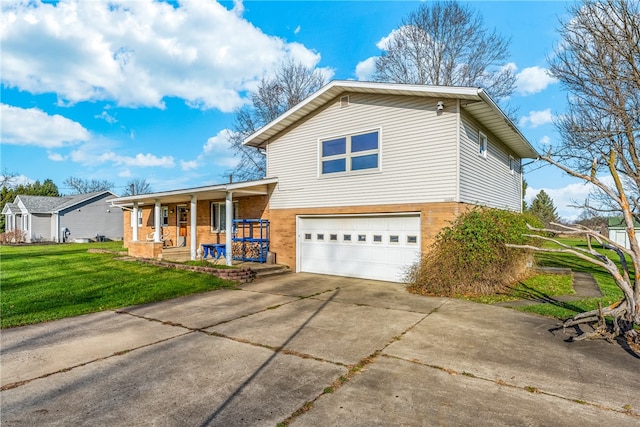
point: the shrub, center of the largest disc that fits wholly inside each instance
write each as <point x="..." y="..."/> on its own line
<point x="15" y="236"/>
<point x="470" y="257"/>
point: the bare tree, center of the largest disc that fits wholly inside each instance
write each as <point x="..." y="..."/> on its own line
<point x="82" y="186"/>
<point x="7" y="179"/>
<point x="446" y="43"/>
<point x="137" y="186"/>
<point x="291" y="84"/>
<point x="598" y="63"/>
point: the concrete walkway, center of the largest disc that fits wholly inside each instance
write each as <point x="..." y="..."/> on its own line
<point x="313" y="350"/>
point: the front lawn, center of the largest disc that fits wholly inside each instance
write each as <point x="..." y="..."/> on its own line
<point x="47" y="282"/>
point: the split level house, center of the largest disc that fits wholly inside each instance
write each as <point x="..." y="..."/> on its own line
<point x="86" y="216"/>
<point x="360" y="179"/>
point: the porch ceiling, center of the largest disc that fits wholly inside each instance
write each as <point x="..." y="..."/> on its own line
<point x="213" y="192"/>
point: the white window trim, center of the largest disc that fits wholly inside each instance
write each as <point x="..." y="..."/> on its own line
<point x="215" y="216"/>
<point x="512" y="165"/>
<point x="139" y="218"/>
<point x="483" y="145"/>
<point x="164" y="220"/>
<point x="348" y="154"/>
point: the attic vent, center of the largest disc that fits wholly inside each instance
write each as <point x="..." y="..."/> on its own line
<point x="344" y="101"/>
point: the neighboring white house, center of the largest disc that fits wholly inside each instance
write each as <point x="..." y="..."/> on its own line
<point x="362" y="176"/>
<point x="59" y="219"/>
<point x="618" y="232"/>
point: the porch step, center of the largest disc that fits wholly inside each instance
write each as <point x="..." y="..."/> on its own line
<point x="271" y="270"/>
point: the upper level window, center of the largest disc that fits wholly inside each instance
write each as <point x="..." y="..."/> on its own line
<point x="482" y="145"/>
<point x="350" y="153"/>
<point x="512" y="165"/>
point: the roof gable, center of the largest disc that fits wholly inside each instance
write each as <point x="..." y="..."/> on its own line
<point x="474" y="101"/>
<point x="81" y="198"/>
<point x="39" y="204"/>
<point x="49" y="204"/>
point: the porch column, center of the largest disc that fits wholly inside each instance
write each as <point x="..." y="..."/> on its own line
<point x="134" y="221"/>
<point x="194" y="224"/>
<point x="229" y="226"/>
<point x="156" y="222"/>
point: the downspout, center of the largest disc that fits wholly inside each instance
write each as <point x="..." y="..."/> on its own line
<point x="134" y="222"/>
<point x="457" y="196"/>
<point x="58" y="227"/>
<point x="156" y="221"/>
<point x="229" y="226"/>
<point x="194" y="224"/>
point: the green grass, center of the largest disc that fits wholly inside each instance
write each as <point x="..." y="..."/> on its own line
<point x="552" y="285"/>
<point x="46" y="282"/>
<point x="604" y="280"/>
<point x="541" y="284"/>
<point x="565" y="310"/>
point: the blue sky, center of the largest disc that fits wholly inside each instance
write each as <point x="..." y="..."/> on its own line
<point x="144" y="89"/>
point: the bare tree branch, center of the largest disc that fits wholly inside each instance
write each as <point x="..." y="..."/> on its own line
<point x="291" y="84"/>
<point x="446" y="43"/>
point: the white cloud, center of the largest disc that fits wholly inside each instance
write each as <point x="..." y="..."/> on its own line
<point x="217" y="150"/>
<point x="383" y="43"/>
<point x="106" y="117"/>
<point x="297" y="30"/>
<point x="545" y="140"/>
<point x="365" y="69"/>
<point x="533" y="80"/>
<point x="137" y="53"/>
<point x="566" y="198"/>
<point x="536" y="118"/>
<point x="56" y="157"/>
<point x="188" y="165"/>
<point x="32" y="126"/>
<point x="94" y="154"/>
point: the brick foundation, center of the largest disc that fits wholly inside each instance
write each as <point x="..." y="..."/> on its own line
<point x="140" y="249"/>
<point x="242" y="275"/>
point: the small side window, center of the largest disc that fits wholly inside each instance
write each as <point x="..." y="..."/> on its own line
<point x="377" y="238"/>
<point x="362" y="237"/>
<point x="320" y="236"/>
<point x="482" y="145"/>
<point x="394" y="239"/>
<point x="307" y="236"/>
<point x="333" y="237"/>
<point x="346" y="237"/>
<point x="412" y="239"/>
<point x="512" y="165"/>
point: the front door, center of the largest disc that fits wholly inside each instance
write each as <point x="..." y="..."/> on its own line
<point x="183" y="220"/>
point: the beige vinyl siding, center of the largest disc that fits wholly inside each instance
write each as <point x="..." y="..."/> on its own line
<point x="487" y="181"/>
<point x="417" y="154"/>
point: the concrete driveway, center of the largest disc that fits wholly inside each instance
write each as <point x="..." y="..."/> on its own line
<point x="314" y="351"/>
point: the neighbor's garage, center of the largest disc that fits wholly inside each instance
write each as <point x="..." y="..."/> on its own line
<point x="365" y="246"/>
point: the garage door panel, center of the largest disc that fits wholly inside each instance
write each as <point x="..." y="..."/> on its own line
<point x="384" y="259"/>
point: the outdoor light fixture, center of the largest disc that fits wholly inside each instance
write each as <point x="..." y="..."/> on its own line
<point x="440" y="105"/>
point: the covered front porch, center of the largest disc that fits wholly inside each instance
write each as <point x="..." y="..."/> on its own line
<point x="188" y="218"/>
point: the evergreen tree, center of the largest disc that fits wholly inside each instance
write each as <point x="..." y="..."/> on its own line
<point x="542" y="207"/>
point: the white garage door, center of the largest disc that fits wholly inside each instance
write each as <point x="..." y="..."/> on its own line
<point x="370" y="247"/>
